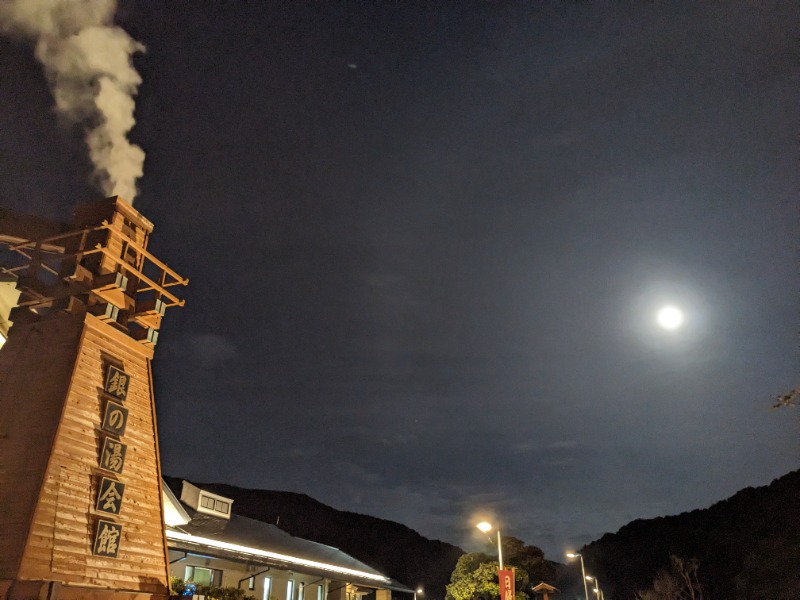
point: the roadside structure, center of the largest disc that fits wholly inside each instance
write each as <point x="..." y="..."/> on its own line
<point x="80" y="480"/>
<point x="209" y="545"/>
<point x="545" y="591"/>
<point x="85" y="514"/>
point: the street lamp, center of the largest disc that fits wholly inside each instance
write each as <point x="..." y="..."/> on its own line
<point x="583" y="572"/>
<point x="486" y="528"/>
<point x="418" y="592"/>
<point x="596" y="590"/>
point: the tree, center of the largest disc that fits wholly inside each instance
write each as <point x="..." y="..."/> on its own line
<point x="475" y="574"/>
<point x="679" y="583"/>
<point x="770" y="571"/>
<point x="529" y="558"/>
<point x="474" y="578"/>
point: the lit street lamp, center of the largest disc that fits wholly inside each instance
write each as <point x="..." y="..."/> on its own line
<point x="583" y="572"/>
<point x="486" y="528"/>
<point x="597" y="589"/>
<point x="418" y="592"/>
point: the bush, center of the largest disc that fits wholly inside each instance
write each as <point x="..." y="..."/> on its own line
<point x="179" y="587"/>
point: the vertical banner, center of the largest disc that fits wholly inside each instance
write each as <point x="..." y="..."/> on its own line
<point x="506" y="580"/>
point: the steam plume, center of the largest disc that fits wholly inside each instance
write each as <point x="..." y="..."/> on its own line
<point x="88" y="64"/>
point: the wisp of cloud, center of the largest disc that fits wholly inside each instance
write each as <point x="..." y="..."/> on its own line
<point x="89" y="67"/>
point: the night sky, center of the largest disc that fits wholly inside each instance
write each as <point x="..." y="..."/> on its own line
<point x="427" y="244"/>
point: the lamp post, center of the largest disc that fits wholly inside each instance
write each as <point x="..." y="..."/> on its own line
<point x="597" y="590"/>
<point x="486" y="528"/>
<point x="583" y="572"/>
<point x="417" y="592"/>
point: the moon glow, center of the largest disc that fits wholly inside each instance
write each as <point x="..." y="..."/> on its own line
<point x="669" y="317"/>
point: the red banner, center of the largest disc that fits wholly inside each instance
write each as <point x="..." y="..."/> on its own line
<point x="506" y="579"/>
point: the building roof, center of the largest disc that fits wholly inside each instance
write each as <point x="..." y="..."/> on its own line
<point x="174" y="513"/>
<point x="261" y="543"/>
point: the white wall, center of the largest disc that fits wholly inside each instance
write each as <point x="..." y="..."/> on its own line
<point x="8" y="300"/>
<point x="234" y="571"/>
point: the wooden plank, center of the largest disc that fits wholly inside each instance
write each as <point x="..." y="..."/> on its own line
<point x="76" y="455"/>
<point x="30" y="409"/>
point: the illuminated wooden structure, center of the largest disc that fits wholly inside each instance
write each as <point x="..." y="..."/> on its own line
<point x="80" y="478"/>
<point x="544" y="591"/>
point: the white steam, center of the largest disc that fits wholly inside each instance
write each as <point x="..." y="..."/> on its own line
<point x="88" y="63"/>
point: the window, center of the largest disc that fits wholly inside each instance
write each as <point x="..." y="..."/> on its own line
<point x="267" y="587"/>
<point x="210" y="503"/>
<point x="251" y="583"/>
<point x="320" y="592"/>
<point x="290" y="590"/>
<point x="203" y="576"/>
<point x="301" y="590"/>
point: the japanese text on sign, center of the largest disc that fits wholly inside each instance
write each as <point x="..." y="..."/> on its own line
<point x="115" y="419"/>
<point x="506" y="577"/>
<point x="106" y="539"/>
<point x="110" y="492"/>
<point x="117" y="383"/>
<point x="109" y="497"/>
<point x="112" y="457"/>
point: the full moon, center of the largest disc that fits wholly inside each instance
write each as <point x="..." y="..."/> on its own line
<point x="669" y="317"/>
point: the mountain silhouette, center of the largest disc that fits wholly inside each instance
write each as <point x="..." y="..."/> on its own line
<point x="747" y="547"/>
<point x="391" y="548"/>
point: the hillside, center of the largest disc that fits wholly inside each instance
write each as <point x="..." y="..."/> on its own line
<point x="748" y="546"/>
<point x="392" y="548"/>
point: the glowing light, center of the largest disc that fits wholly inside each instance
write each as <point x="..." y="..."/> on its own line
<point x="670" y="317"/>
<point x="484" y="526"/>
<point x="186" y="537"/>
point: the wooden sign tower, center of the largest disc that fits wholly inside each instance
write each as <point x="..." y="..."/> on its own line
<point x="80" y="479"/>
